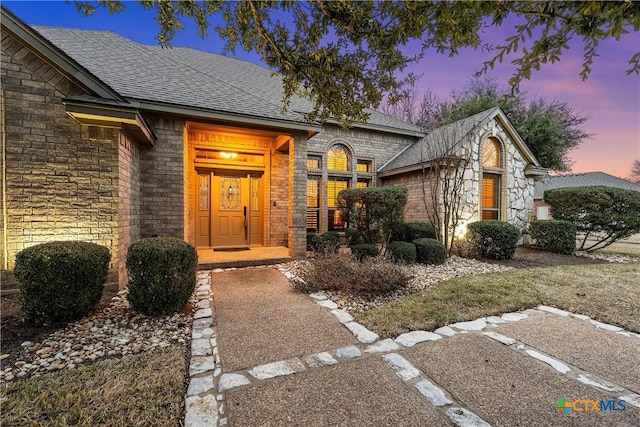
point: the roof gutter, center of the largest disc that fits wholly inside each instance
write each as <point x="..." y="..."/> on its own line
<point x="123" y="117"/>
<point x="230" y="118"/>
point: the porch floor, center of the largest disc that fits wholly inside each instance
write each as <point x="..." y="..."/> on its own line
<point x="256" y="255"/>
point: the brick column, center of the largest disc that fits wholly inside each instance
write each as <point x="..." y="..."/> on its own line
<point x="297" y="203"/>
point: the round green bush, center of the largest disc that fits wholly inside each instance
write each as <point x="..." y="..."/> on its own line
<point x="410" y="231"/>
<point x="493" y="239"/>
<point x="365" y="251"/>
<point x="60" y="281"/>
<point x="326" y="243"/>
<point x="162" y="274"/>
<point x="402" y="252"/>
<point x="554" y="235"/>
<point x="419" y="230"/>
<point x="430" y="251"/>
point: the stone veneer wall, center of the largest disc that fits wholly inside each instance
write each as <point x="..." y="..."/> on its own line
<point x="62" y="177"/>
<point x="129" y="201"/>
<point x="163" y="181"/>
<point x="517" y="191"/>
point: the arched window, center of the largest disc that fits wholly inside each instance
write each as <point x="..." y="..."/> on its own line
<point x="491" y="199"/>
<point x="491" y="153"/>
<point x="338" y="158"/>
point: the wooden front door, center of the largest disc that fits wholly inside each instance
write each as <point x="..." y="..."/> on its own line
<point x="233" y="217"/>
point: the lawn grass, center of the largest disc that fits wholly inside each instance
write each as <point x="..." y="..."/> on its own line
<point x="607" y="292"/>
<point x="629" y="251"/>
<point x="136" y="390"/>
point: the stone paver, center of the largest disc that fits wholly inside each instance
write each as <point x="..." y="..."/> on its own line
<point x="277" y="369"/>
<point x="412" y="338"/>
<point x="230" y="381"/>
<point x="361" y="333"/>
<point x="382" y="346"/>
<point x="363" y="393"/>
<point x="605" y="353"/>
<point x="403" y="368"/>
<point x="261" y="319"/>
<point x="349" y="352"/>
<point x="506" y="388"/>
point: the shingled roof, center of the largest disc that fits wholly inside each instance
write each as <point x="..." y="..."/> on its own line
<point x="585" y="179"/>
<point x="431" y="146"/>
<point x="191" y="78"/>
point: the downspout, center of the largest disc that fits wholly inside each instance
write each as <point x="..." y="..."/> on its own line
<point x="4" y="183"/>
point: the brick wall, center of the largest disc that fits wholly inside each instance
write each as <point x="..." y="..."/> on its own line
<point x="377" y="146"/>
<point x="278" y="189"/>
<point x="415" y="210"/>
<point x="163" y="181"/>
<point x="62" y="178"/>
<point x="129" y="200"/>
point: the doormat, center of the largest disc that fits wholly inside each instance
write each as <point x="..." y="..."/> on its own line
<point x="232" y="249"/>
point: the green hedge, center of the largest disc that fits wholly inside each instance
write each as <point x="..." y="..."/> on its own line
<point x="493" y="239"/>
<point x="365" y="251"/>
<point x="430" y="251"/>
<point x="325" y="243"/>
<point x="373" y="210"/>
<point x="601" y="214"/>
<point x="554" y="235"/>
<point x="61" y="281"/>
<point x="402" y="252"/>
<point x="162" y="274"/>
<point x="410" y="231"/>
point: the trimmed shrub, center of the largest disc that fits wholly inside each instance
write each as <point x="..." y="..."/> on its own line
<point x="373" y="210"/>
<point x="162" y="274"/>
<point x="430" y="251"/>
<point x="418" y="230"/>
<point x="402" y="252"/>
<point x="603" y="214"/>
<point x="355" y="236"/>
<point x="370" y="277"/>
<point x="365" y="251"/>
<point x="554" y="236"/>
<point x="493" y="239"/>
<point x="60" y="281"/>
<point x="410" y="231"/>
<point x="325" y="243"/>
<point x="310" y="237"/>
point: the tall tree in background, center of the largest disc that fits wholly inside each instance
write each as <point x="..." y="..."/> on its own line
<point x="347" y="55"/>
<point x="634" y="176"/>
<point x="550" y="129"/>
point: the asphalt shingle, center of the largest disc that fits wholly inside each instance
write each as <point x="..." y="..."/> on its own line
<point x="187" y="77"/>
<point x="439" y="141"/>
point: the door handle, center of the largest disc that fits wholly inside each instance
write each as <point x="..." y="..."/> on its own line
<point x="245" y="216"/>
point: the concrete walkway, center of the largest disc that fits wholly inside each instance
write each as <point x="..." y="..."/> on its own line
<point x="277" y="357"/>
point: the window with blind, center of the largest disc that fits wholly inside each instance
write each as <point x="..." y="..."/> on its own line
<point x="490" y="196"/>
<point x="491" y="178"/>
<point x="313" y="203"/>
<point x="335" y="186"/>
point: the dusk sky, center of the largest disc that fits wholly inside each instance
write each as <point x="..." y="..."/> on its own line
<point x="609" y="97"/>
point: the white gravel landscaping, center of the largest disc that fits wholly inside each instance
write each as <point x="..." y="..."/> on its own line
<point x="114" y="332"/>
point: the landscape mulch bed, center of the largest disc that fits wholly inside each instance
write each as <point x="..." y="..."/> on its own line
<point x="14" y="330"/>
